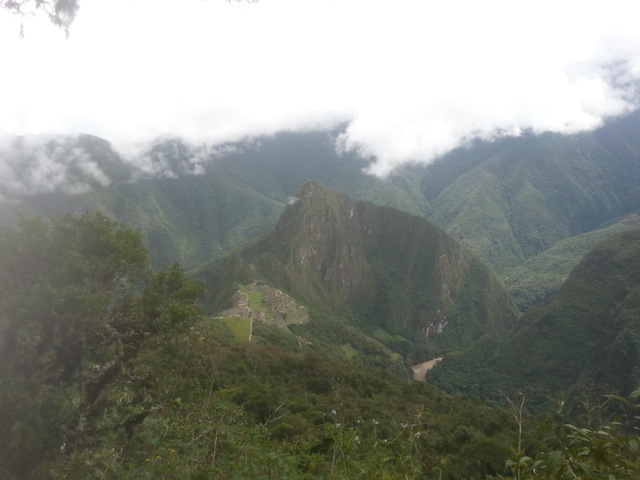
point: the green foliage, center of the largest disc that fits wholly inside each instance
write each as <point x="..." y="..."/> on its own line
<point x="586" y="334"/>
<point x="192" y="405"/>
<point x="608" y="450"/>
<point x="65" y="289"/>
<point x="169" y="299"/>
<point x="258" y="412"/>
<point x="72" y="321"/>
<point x="157" y="389"/>
<point x="540" y="276"/>
<point x="110" y="371"/>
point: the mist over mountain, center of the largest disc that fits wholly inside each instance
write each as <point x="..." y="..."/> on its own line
<point x="506" y="200"/>
<point x="194" y="203"/>
<point x="341" y="240"/>
<point x="35" y="165"/>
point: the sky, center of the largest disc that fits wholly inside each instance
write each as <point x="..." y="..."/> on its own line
<point x="410" y="79"/>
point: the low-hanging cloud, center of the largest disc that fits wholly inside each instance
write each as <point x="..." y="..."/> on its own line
<point x="171" y="158"/>
<point x="73" y="164"/>
<point x="411" y="79"/>
<point x="44" y="164"/>
<point x="488" y="109"/>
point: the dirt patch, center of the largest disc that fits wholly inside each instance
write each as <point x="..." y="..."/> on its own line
<point x="420" y="370"/>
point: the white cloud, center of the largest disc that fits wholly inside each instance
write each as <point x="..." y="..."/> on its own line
<point x="170" y="158"/>
<point x="42" y="164"/>
<point x="414" y="79"/>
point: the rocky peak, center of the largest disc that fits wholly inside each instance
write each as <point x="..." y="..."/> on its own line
<point x="391" y="269"/>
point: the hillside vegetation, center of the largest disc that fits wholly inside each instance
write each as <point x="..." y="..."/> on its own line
<point x="588" y="333"/>
<point x="539" y="277"/>
<point x="111" y="371"/>
<point x="290" y="360"/>
<point x="523" y="195"/>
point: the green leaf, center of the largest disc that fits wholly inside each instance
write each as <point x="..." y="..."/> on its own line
<point x="553" y="459"/>
<point x="524" y="461"/>
<point x="586" y="469"/>
<point x="620" y="399"/>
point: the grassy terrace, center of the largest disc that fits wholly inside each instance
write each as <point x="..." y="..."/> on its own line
<point x="240" y="326"/>
<point x="256" y="300"/>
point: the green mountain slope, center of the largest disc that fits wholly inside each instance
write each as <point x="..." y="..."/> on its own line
<point x="394" y="275"/>
<point x="199" y="217"/>
<point x="518" y="197"/>
<point x="539" y="277"/>
<point x="276" y="167"/>
<point x="588" y="332"/>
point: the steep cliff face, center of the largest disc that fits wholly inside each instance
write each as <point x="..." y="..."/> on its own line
<point x="378" y="267"/>
<point x="320" y="243"/>
<point x="343" y="246"/>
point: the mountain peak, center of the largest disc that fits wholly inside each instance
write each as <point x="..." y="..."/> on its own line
<point x="311" y="186"/>
<point x="380" y="267"/>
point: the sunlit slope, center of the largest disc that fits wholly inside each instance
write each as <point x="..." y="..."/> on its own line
<point x="511" y="200"/>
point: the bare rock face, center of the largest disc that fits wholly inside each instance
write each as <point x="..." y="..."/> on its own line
<point x="339" y="244"/>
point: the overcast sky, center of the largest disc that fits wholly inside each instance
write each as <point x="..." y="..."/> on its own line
<point x="413" y="79"/>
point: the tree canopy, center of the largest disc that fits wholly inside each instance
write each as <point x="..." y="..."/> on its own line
<point x="61" y="13"/>
<point x="76" y="303"/>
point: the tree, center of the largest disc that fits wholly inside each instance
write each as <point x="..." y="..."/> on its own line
<point x="76" y="303"/>
<point x="602" y="449"/>
<point x="61" y="13"/>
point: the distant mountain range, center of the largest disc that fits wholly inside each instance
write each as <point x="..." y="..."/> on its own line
<point x="507" y="200"/>
<point x="392" y="271"/>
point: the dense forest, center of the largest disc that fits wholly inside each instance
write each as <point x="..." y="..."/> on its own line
<point x="110" y="370"/>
